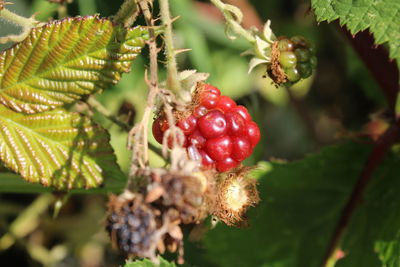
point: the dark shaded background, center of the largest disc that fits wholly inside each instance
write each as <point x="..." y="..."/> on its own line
<point x="334" y="103"/>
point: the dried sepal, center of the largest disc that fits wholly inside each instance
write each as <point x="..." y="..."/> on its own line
<point x="236" y="192"/>
<point x="275" y="70"/>
<point x="261" y="50"/>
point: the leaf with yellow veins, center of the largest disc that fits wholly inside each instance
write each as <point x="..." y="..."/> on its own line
<point x="56" y="148"/>
<point x="64" y="60"/>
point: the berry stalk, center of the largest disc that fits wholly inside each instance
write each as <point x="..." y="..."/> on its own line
<point x="233" y="17"/>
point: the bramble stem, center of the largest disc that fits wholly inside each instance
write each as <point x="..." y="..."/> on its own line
<point x="26" y="23"/>
<point x="382" y="145"/>
<point x="173" y="83"/>
<point x="127" y="13"/>
<point x="152" y="84"/>
<point x="16" y="19"/>
<point x="227" y="11"/>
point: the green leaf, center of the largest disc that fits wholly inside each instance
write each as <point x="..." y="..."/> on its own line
<point x="56" y="148"/>
<point x="374" y="232"/>
<point x="149" y="263"/>
<point x="301" y="202"/>
<point x="380" y="17"/>
<point x="65" y="60"/>
<point x="389" y="252"/>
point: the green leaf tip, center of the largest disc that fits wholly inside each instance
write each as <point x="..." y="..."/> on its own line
<point x="148" y="263"/>
<point x="56" y="148"/>
<point x="65" y="60"/>
<point x="380" y="17"/>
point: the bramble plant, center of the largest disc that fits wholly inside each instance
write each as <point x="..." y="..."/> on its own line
<point x="181" y="148"/>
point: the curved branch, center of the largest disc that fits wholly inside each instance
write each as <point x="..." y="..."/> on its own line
<point x="383" y="144"/>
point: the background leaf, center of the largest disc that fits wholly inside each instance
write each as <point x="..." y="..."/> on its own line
<point x="380" y="17"/>
<point x="301" y="203"/>
<point x="149" y="263"/>
<point x="56" y="148"/>
<point x="373" y="237"/>
<point x="65" y="60"/>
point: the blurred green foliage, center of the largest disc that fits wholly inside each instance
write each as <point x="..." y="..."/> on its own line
<point x="300" y="200"/>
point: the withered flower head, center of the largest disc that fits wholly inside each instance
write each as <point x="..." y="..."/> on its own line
<point x="236" y="192"/>
<point x="147" y="222"/>
<point x="188" y="194"/>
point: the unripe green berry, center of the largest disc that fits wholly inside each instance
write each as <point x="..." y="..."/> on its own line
<point x="304" y="69"/>
<point x="287" y="59"/>
<point x="302" y="54"/>
<point x="292" y="74"/>
<point x="285" y="45"/>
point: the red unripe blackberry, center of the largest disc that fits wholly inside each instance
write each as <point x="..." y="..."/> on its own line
<point x="206" y="160"/>
<point x="157" y="132"/>
<point x="253" y="133"/>
<point x="236" y="124"/>
<point x="225" y="103"/>
<point x="196" y="139"/>
<point x="241" y="148"/>
<point x="188" y="125"/>
<point x="226" y="164"/>
<point x="200" y="111"/>
<point x="242" y="110"/>
<point x="213" y="124"/>
<point x="212" y="89"/>
<point x="219" y="148"/>
<point x="217" y="131"/>
<point x="209" y="100"/>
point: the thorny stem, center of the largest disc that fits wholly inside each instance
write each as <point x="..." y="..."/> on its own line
<point x="232" y="22"/>
<point x="26" y="23"/>
<point x="140" y="131"/>
<point x="127" y="13"/>
<point x="153" y="83"/>
<point x="173" y="83"/>
<point x="383" y="145"/>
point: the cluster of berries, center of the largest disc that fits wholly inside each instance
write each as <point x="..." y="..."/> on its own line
<point x="217" y="131"/>
<point x="296" y="58"/>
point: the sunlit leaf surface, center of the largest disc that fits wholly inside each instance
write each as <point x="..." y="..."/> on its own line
<point x="65" y="60"/>
<point x="56" y="148"/>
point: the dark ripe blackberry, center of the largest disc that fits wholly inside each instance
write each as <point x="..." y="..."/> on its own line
<point x="132" y="226"/>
